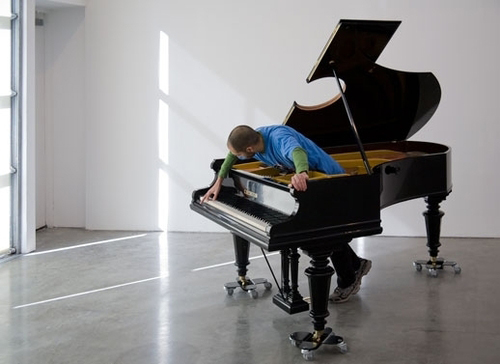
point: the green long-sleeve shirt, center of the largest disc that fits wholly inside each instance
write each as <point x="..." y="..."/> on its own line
<point x="299" y="157"/>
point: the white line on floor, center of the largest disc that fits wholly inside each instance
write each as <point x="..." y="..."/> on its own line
<point x="85" y="245"/>
<point x="88" y="292"/>
<point x="229" y="263"/>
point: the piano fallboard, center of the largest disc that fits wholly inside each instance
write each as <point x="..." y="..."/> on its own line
<point x="331" y="208"/>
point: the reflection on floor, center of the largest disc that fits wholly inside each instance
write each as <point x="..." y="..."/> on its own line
<point x="135" y="297"/>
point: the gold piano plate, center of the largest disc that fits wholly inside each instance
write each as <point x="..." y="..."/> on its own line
<point x="313" y="175"/>
<point x="384" y="154"/>
<point x="352" y="163"/>
<point x="258" y="168"/>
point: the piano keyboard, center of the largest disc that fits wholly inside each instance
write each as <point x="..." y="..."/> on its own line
<point x="247" y="211"/>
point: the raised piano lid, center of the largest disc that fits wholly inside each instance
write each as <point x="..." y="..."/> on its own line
<point x="387" y="105"/>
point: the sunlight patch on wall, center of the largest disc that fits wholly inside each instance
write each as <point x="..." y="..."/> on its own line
<point x="163" y="71"/>
<point x="163" y="131"/>
<point x="163" y="180"/>
<point x="163" y="195"/>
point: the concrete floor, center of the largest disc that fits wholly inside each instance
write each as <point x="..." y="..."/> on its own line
<point x="138" y="298"/>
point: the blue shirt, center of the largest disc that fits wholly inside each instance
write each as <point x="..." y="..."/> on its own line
<point x="281" y="140"/>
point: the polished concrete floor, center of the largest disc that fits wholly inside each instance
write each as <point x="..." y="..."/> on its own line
<point x="138" y="298"/>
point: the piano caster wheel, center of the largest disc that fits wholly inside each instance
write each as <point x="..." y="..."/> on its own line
<point x="433" y="266"/>
<point x="342" y="347"/>
<point x="433" y="272"/>
<point x="308" y="344"/>
<point x="307" y="354"/>
<point x="247" y="285"/>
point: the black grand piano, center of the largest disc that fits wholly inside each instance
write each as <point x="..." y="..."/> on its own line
<point x="365" y="128"/>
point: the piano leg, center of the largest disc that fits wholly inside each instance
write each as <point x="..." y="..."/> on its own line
<point x="285" y="271"/>
<point x="289" y="299"/>
<point x="295" y="295"/>
<point x="433" y="218"/>
<point x="241" y="253"/>
<point x="319" y="274"/>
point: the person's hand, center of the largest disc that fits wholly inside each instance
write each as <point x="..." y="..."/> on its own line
<point x="299" y="181"/>
<point x="213" y="192"/>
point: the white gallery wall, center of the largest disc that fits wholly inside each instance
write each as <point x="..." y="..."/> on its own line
<point x="156" y="85"/>
<point x="61" y="117"/>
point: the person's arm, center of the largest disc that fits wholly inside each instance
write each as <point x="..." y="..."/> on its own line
<point x="229" y="162"/>
<point x="213" y="192"/>
<point x="299" y="157"/>
<point x="299" y="179"/>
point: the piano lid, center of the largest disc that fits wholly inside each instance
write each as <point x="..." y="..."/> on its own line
<point x="386" y="105"/>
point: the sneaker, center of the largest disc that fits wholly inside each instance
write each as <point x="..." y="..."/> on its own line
<point x="340" y="295"/>
<point x="364" y="267"/>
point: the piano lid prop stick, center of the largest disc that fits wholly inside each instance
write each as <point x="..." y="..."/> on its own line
<point x="351" y="120"/>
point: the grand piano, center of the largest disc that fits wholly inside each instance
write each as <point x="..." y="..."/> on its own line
<point x="366" y="128"/>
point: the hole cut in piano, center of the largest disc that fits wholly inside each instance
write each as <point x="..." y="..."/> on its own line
<point x="352" y="162"/>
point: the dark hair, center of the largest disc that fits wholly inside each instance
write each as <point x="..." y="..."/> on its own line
<point x="242" y="137"/>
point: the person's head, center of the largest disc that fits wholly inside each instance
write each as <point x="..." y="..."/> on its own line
<point x="244" y="142"/>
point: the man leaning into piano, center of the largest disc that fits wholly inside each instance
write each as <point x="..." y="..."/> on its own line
<point x="283" y="146"/>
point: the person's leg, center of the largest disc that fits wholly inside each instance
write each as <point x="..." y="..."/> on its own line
<point x="346" y="263"/>
<point x="350" y="270"/>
